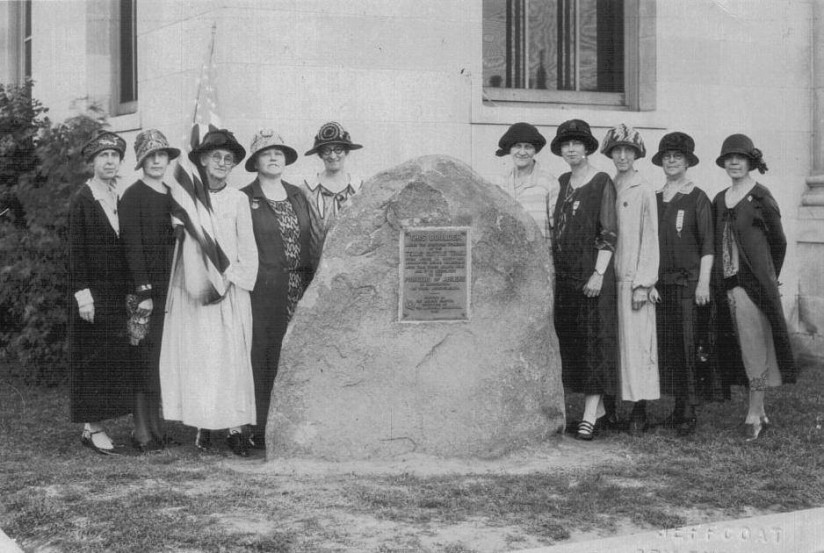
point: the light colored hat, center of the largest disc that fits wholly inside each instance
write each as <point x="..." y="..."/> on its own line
<point x="623" y="135"/>
<point x="149" y="142"/>
<point x="265" y="139"/>
<point x="103" y="140"/>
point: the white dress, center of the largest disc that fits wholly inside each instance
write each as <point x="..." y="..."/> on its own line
<point x="636" y="265"/>
<point x="205" y="360"/>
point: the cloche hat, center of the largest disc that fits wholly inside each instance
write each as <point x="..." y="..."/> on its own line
<point x="103" y="140"/>
<point x="265" y="139"/>
<point x="574" y="129"/>
<point x="742" y="144"/>
<point x="218" y="139"/>
<point x="520" y="132"/>
<point x="332" y="133"/>
<point x="623" y="135"/>
<point x="149" y="142"/>
<point x="679" y="142"/>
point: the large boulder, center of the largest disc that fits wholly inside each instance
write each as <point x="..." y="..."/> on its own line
<point x="355" y="383"/>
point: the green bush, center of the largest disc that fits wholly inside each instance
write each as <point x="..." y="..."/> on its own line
<point x="33" y="252"/>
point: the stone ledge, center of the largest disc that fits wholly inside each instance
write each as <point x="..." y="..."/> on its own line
<point x="796" y="532"/>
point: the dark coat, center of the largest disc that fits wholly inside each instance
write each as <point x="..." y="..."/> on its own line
<point x="267" y="232"/>
<point x="149" y="242"/>
<point x="271" y="296"/>
<point x="100" y="362"/>
<point x="757" y="230"/>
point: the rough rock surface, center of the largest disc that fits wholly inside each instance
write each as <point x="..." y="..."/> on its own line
<point x="354" y="383"/>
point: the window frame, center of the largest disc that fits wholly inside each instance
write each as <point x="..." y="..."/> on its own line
<point x="24" y="60"/>
<point x="639" y="73"/>
<point x="120" y="107"/>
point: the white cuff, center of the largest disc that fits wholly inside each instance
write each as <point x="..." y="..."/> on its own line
<point x="84" y="297"/>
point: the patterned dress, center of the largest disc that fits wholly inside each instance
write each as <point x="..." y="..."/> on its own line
<point x="290" y="234"/>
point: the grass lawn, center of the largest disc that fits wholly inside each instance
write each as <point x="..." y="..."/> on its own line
<point x="56" y="495"/>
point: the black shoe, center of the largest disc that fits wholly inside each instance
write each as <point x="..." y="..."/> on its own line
<point x="257" y="440"/>
<point x="203" y="440"/>
<point x="586" y="431"/>
<point x="238" y="444"/>
<point x="638" y="419"/>
<point x="687" y="426"/>
<point x="149" y="447"/>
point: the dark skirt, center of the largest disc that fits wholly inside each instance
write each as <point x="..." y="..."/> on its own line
<point x="587" y="336"/>
<point x="270" y="318"/>
<point x="147" y="352"/>
<point x="687" y="361"/>
<point x="101" y="361"/>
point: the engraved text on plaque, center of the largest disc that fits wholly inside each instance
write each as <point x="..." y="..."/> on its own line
<point x="435" y="274"/>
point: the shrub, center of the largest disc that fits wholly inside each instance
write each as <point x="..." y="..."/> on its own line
<point x="33" y="270"/>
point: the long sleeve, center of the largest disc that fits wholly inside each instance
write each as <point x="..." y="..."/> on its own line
<point x="79" y="254"/>
<point x="132" y="233"/>
<point x="706" y="225"/>
<point x="607" y="219"/>
<point x="646" y="271"/>
<point x="774" y="231"/>
<point x="243" y="270"/>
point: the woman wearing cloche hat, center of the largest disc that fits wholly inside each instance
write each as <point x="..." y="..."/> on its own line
<point x="749" y="252"/>
<point x="636" y="271"/>
<point x="330" y="190"/>
<point x="535" y="188"/>
<point x="100" y="363"/>
<point x="287" y="236"/>
<point x="149" y="240"/>
<point x="583" y="241"/>
<point x="682" y="295"/>
<point x="205" y="359"/>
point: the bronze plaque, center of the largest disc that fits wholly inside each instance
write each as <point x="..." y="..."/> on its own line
<point x="435" y="274"/>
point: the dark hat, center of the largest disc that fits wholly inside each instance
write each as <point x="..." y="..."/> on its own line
<point x="622" y="135"/>
<point x="103" y="140"/>
<point x="220" y="139"/>
<point x="742" y="144"/>
<point x="574" y="129"/>
<point x="520" y="132"/>
<point x="332" y="133"/>
<point x="679" y="142"/>
<point x="149" y="142"/>
<point x="265" y="139"/>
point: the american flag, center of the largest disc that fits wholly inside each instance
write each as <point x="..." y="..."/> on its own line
<point x="199" y="254"/>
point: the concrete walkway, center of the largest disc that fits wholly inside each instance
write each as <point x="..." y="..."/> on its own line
<point x="795" y="532"/>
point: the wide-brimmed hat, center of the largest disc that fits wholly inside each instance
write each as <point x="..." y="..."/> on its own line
<point x="574" y="129"/>
<point x="219" y="139"/>
<point x="332" y="133"/>
<point x="149" y="142"/>
<point x="742" y="144"/>
<point x="520" y="132"/>
<point x="679" y="142"/>
<point x="103" y="140"/>
<point x="265" y="139"/>
<point x="623" y="135"/>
